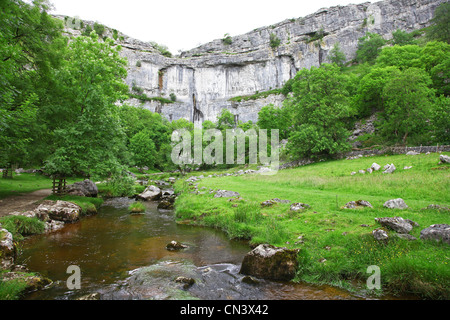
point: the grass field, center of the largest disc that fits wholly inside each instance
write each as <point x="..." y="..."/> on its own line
<point x="335" y="248"/>
<point x="27" y="182"/>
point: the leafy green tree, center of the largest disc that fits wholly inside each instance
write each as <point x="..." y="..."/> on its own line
<point x="369" y="47"/>
<point x="318" y="108"/>
<point x="440" y="120"/>
<point x="369" y="97"/>
<point x="408" y="104"/>
<point x="337" y="56"/>
<point x="436" y="61"/>
<point x="440" y="24"/>
<point x="30" y="45"/>
<point x="270" y="117"/>
<point x="84" y="119"/>
<point x="225" y="120"/>
<point x="143" y="149"/>
<point x="403" y="57"/>
<point x="401" y="38"/>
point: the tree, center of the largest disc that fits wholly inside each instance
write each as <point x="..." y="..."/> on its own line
<point x="369" y="98"/>
<point x="440" y="120"/>
<point x="31" y="43"/>
<point x="84" y="119"/>
<point x="440" y="24"/>
<point x="270" y="117"/>
<point x="318" y="107"/>
<point x="401" y="38"/>
<point x="337" y="56"/>
<point x="403" y="57"/>
<point x="369" y="47"/>
<point x="225" y="120"/>
<point x="143" y="149"/>
<point x="408" y="102"/>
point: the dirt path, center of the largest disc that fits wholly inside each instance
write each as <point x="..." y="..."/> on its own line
<point x="23" y="202"/>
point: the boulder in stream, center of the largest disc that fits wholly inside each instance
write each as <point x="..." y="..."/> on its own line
<point x="151" y="193"/>
<point x="64" y="211"/>
<point x="270" y="262"/>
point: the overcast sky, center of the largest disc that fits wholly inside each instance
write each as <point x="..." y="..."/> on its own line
<point x="184" y="25"/>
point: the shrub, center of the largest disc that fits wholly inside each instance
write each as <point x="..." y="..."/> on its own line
<point x="120" y="185"/>
<point x="138" y="63"/>
<point x="227" y="39"/>
<point x="274" y="40"/>
<point x="173" y="97"/>
<point x="99" y="29"/>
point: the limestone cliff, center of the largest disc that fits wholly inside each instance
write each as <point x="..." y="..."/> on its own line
<point x="205" y="78"/>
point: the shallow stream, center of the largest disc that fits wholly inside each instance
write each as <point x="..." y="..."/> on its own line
<point x="124" y="256"/>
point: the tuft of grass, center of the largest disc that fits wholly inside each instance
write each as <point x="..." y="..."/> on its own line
<point x="12" y="289"/>
<point x="136" y="207"/>
<point x="21" y="226"/>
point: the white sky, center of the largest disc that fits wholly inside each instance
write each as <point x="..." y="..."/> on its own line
<point x="185" y="24"/>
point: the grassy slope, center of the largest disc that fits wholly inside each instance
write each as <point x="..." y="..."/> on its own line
<point x="331" y="233"/>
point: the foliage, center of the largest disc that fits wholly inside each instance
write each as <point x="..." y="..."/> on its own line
<point x="274" y="41"/>
<point x="143" y="149"/>
<point x="369" y="47"/>
<point x="401" y="38"/>
<point x="336" y="55"/>
<point x="120" y="184"/>
<point x="440" y="24"/>
<point x="99" y="29"/>
<point x="408" y="101"/>
<point x="227" y="39"/>
<point x="84" y="120"/>
<point x="318" y="107"/>
<point x="270" y="117"/>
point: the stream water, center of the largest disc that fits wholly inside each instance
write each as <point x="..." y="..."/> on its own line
<point x="124" y="256"/>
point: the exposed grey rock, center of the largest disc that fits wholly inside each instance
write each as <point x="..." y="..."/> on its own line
<point x="53" y="225"/>
<point x="299" y="206"/>
<point x="187" y="282"/>
<point x="436" y="207"/>
<point x="438" y="232"/>
<point x="226" y="194"/>
<point x="389" y="168"/>
<point x="269" y="262"/>
<point x="407" y="167"/>
<point x="150" y="193"/>
<point x="357" y="204"/>
<point x="60" y="211"/>
<point x="398" y="203"/>
<point x="397" y="224"/>
<point x="175" y="246"/>
<point x="380" y="235"/>
<point x="412" y="153"/>
<point x="405" y="236"/>
<point x="7" y="249"/>
<point x="90" y="296"/>
<point x="85" y="188"/>
<point x="444" y="159"/>
<point x="375" y="166"/>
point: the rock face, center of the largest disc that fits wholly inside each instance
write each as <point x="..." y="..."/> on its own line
<point x="151" y="193"/>
<point x="269" y="262"/>
<point x="436" y="232"/>
<point x="85" y="188"/>
<point x="64" y="211"/>
<point x="205" y="78"/>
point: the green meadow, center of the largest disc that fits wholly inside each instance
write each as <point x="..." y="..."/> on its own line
<point x="336" y="244"/>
